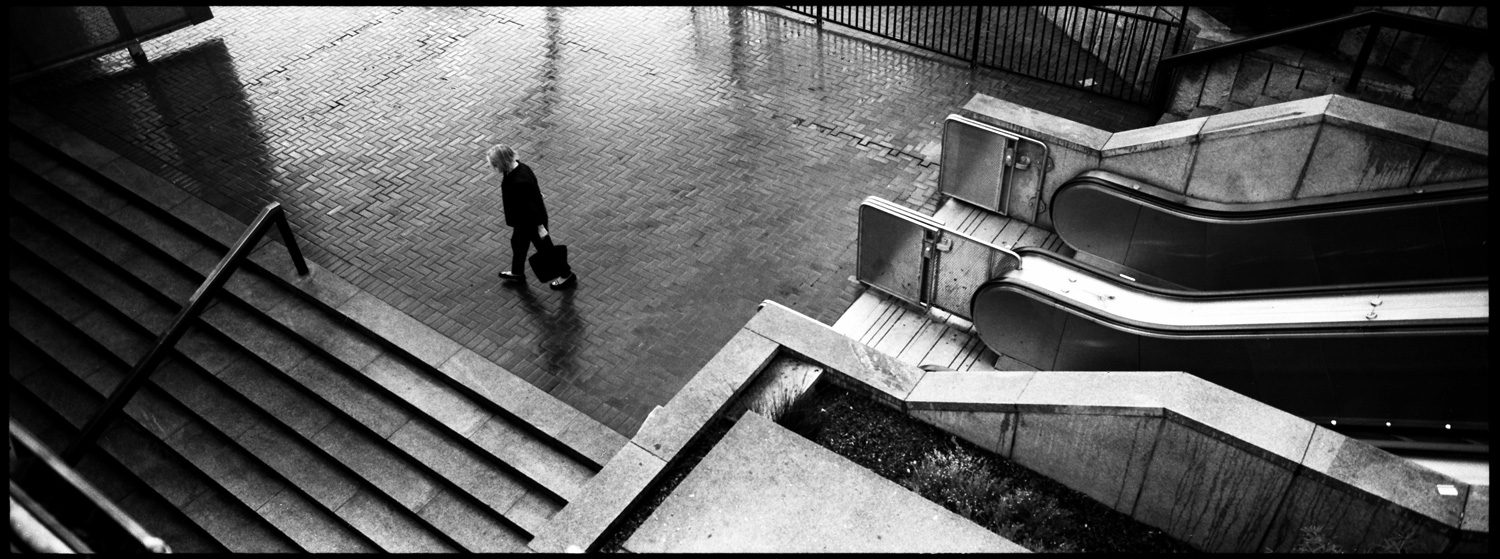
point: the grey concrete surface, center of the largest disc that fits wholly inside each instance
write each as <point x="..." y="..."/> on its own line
<point x="764" y="489"/>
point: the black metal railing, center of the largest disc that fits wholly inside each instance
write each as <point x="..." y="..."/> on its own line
<point x="1109" y="51"/>
<point x="1373" y="20"/>
<point x="72" y="516"/>
<point x="272" y="214"/>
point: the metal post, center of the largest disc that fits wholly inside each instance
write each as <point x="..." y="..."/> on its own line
<point x="122" y="23"/>
<point x="285" y="227"/>
<point x="137" y="376"/>
<point x="1364" y="58"/>
<point x="978" y="28"/>
<point x="819" y="16"/>
<point x="195" y="305"/>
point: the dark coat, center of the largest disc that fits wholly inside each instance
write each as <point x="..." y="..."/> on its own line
<point x="522" y="198"/>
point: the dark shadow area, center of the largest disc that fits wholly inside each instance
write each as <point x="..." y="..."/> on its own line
<point x="183" y="116"/>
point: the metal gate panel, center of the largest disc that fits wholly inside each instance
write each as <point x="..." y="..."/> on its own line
<point x="989" y="167"/>
<point x="891" y="249"/>
<point x="960" y="264"/>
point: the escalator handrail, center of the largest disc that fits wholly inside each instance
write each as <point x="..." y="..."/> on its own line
<point x="1475" y="321"/>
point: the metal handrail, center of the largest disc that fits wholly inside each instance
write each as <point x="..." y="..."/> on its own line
<point x="1376" y="19"/>
<point x="108" y="527"/>
<point x="1134" y="40"/>
<point x="273" y="213"/>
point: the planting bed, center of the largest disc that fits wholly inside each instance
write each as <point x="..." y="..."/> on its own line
<point x="1031" y="510"/>
<point x="1024" y="507"/>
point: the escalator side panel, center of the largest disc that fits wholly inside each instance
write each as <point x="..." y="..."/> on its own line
<point x="1440" y="234"/>
<point x="1294" y="373"/>
<point x="1089" y="346"/>
<point x="1090" y="212"/>
<point x="1031" y="330"/>
<point x="1250" y="257"/>
<point x="1465" y="235"/>
<point x="1404" y="246"/>
<point x="1168" y="247"/>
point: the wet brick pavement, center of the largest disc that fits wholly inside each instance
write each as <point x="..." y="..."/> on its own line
<point x="696" y="160"/>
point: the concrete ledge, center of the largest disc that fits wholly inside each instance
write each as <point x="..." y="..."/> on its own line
<point x="672" y="427"/>
<point x="1212" y="467"/>
<point x="708" y="395"/>
<point x="602" y="500"/>
<point x="1049" y="128"/>
<point x="764" y="489"/>
<point x="1319" y="146"/>
<point x="891" y="380"/>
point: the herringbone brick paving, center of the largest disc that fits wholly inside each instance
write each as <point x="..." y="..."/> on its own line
<point x="696" y="160"/>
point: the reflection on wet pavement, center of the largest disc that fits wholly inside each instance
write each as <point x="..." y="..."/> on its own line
<point x="696" y="160"/>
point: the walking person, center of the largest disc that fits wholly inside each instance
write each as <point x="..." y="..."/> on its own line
<point x="525" y="214"/>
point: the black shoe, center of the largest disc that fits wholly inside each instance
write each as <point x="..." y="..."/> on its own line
<point x="512" y="276"/>
<point x="564" y="283"/>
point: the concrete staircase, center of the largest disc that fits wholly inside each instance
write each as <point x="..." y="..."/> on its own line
<point x="281" y="422"/>
<point x="1270" y="76"/>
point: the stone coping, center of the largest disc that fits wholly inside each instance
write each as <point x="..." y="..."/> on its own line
<point x="594" y="441"/>
<point x="1331" y="109"/>
<point x="1171" y="396"/>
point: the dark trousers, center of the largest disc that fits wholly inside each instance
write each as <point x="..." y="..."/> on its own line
<point x="521" y="239"/>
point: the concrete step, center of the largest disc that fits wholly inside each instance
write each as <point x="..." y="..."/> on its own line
<point x="499" y="463"/>
<point x="503" y="488"/>
<point x="300" y="428"/>
<point x="1271" y="76"/>
<point x="510" y="404"/>
<point x="1250" y="79"/>
<point x="506" y="396"/>
<point x="209" y="505"/>
<point x="313" y="468"/>
<point x="135" y="497"/>
<point x="204" y="443"/>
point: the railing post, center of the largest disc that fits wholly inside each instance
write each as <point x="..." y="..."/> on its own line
<point x="285" y="227"/>
<point x="819" y="16"/>
<point x="978" y="28"/>
<point x="1362" y="60"/>
<point x="127" y="32"/>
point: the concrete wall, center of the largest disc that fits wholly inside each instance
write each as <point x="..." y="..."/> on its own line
<point x="1320" y="146"/>
<point x="1208" y="466"/>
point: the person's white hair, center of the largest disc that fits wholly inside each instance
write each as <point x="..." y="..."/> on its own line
<point x="501" y="154"/>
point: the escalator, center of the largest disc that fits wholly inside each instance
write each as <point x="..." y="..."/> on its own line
<point x="1166" y="239"/>
<point x="1413" y="354"/>
<point x="1366" y="312"/>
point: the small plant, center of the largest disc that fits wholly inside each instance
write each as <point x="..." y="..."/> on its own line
<point x="1042" y="518"/>
<point x="956" y="480"/>
<point x="1400" y="542"/>
<point x="1314" y="539"/>
<point x="794" y="413"/>
<point x="1004" y="497"/>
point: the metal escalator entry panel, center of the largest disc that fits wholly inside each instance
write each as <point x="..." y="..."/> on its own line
<point x="991" y="168"/>
<point x="894" y="249"/>
<point x="959" y="264"/>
